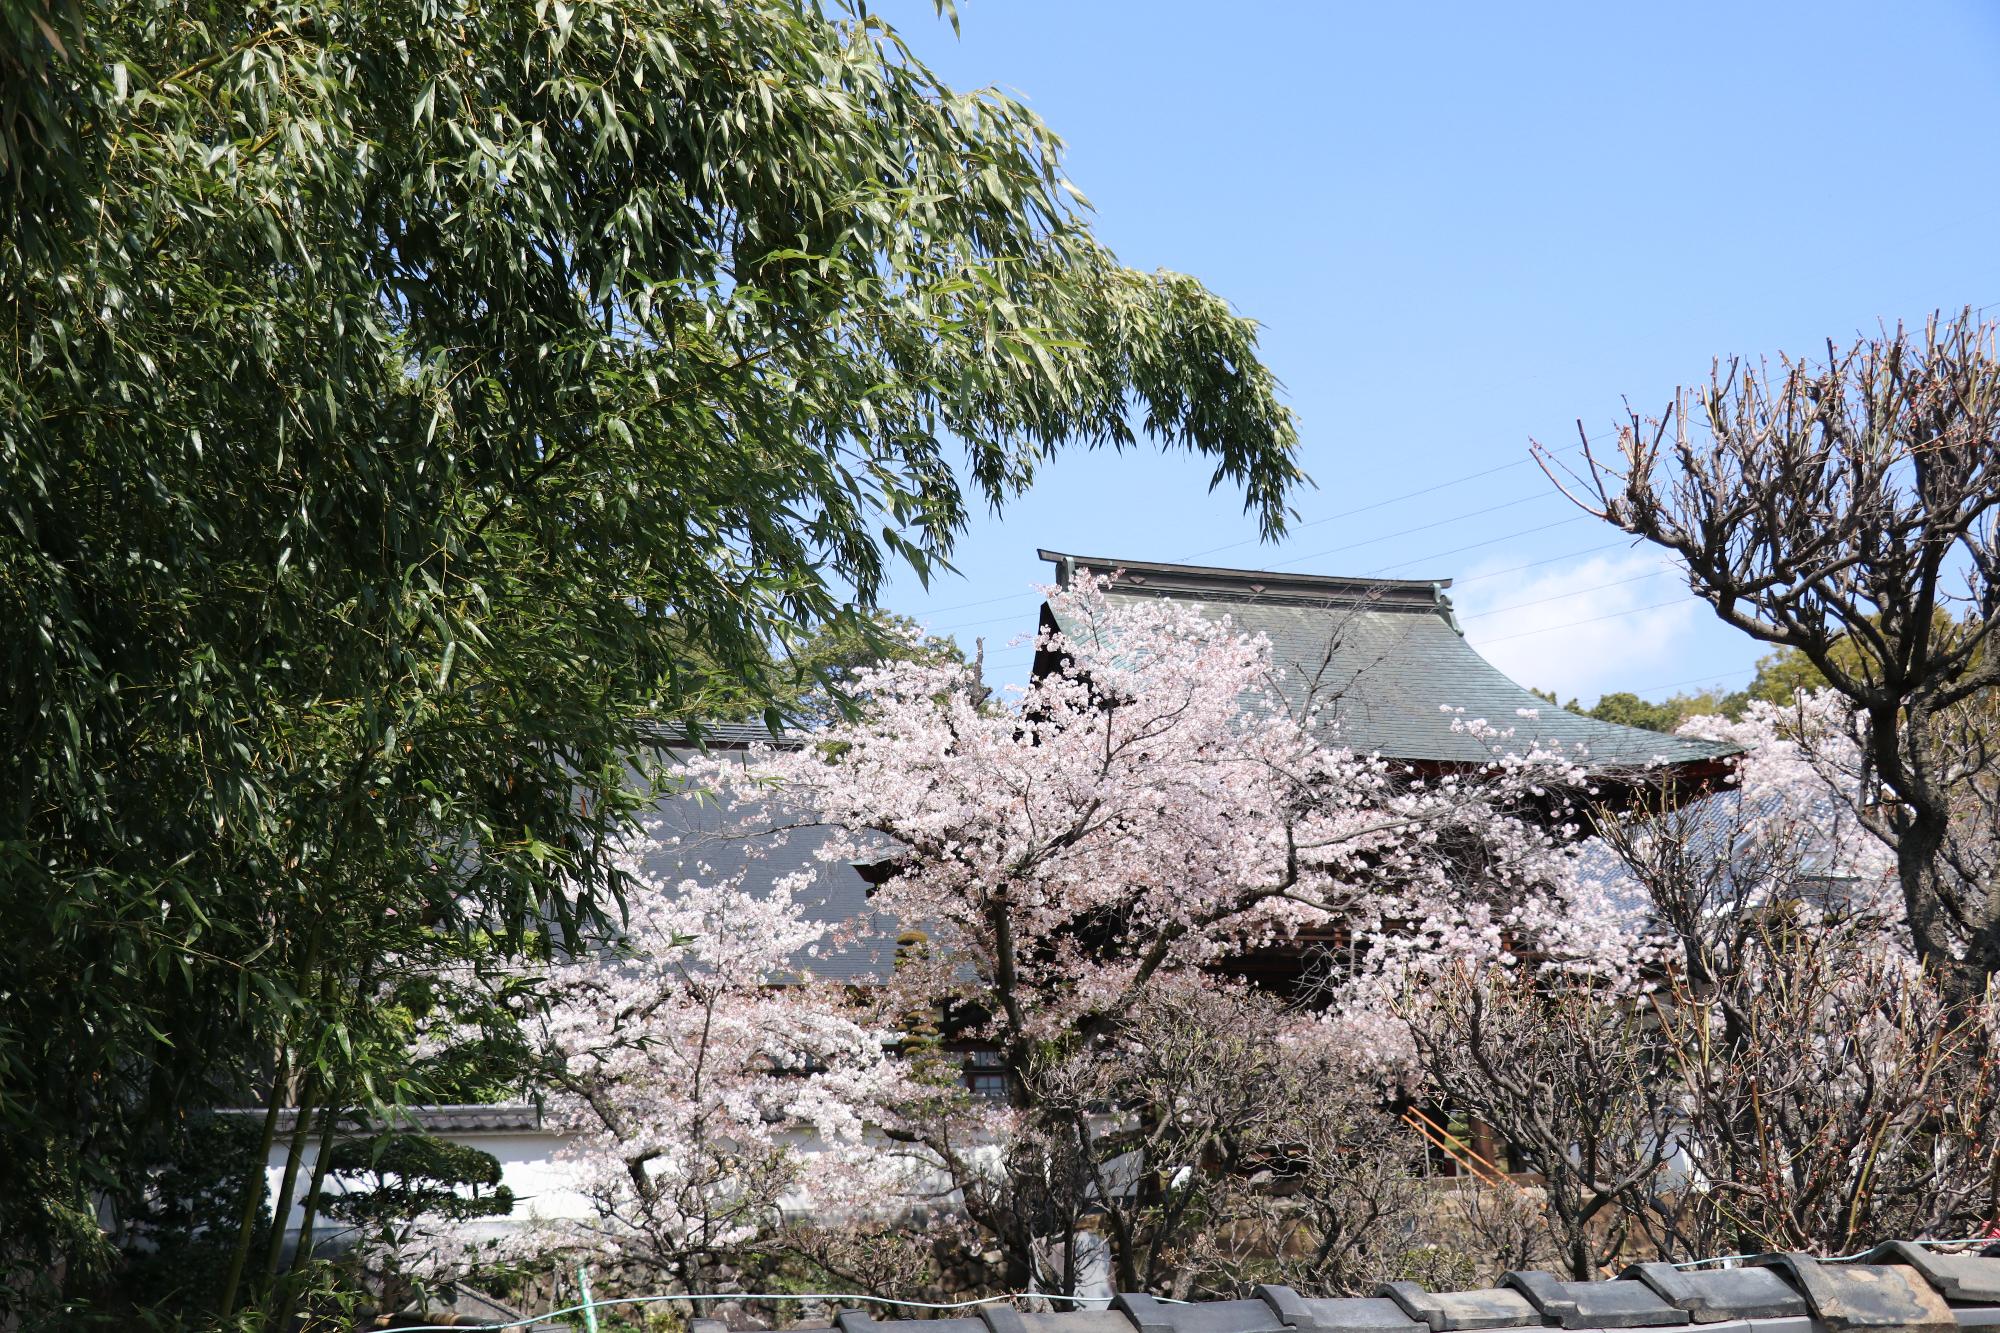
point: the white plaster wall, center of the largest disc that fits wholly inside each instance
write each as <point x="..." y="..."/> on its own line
<point x="543" y="1186"/>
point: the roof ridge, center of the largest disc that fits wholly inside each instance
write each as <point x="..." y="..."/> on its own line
<point x="1257" y="584"/>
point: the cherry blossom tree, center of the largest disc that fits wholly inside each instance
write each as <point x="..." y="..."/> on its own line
<point x="1786" y="831"/>
<point x="706" y="1086"/>
<point x="1159" y="806"/>
<point x="1088" y="866"/>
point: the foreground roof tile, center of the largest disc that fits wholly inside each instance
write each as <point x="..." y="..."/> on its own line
<point x="1156" y="1316"/>
<point x="1595" y="1304"/>
<point x="1958" y="1277"/>
<point x="1351" y="1314"/>
<point x="1865" y="1296"/>
<point x="1711" y="1295"/>
<point x="1452" y="1311"/>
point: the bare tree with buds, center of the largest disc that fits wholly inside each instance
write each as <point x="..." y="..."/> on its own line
<point x="1563" y="1070"/>
<point x="1846" y="509"/>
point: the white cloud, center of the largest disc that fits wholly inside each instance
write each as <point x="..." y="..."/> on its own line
<point x="1603" y="624"/>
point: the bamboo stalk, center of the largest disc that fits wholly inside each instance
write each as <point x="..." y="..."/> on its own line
<point x="253" y="1192"/>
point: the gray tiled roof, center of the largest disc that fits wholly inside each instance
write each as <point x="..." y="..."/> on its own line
<point x="471" y="1118"/>
<point x="1896" y="1288"/>
<point x="1389" y="658"/>
<point x="717" y="735"/>
<point x="697" y="838"/>
<point x="1720" y="828"/>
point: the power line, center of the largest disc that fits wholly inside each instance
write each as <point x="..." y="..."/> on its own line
<point x="1589" y="620"/>
<point x="1598" y="438"/>
<point x="1422" y="559"/>
<point x="1473" y="546"/>
<point x="1540" y="527"/>
<point x="1017" y="658"/>
<point x="1536" y="564"/>
<point x="1394" y="499"/>
<point x="1329" y="518"/>
<point x="967" y="606"/>
<point x="1415" y="494"/>
<point x="1565" y="596"/>
<point x="1315" y="555"/>
<point x="1693" y="680"/>
<point x="1456" y="583"/>
<point x="1421" y="527"/>
<point x="1568" y="624"/>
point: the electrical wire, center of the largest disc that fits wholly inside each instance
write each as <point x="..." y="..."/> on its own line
<point x="1419" y="560"/>
<point x="1590" y="620"/>
<point x="1836" y="1259"/>
<point x="1019" y="657"/>
<point x="1329" y="518"/>
<point x="1016" y="658"/>
<point x="1565" y="596"/>
<point x="1456" y="584"/>
<point x="1394" y="499"/>
<point x="1473" y="546"/>
<point x="1351" y="546"/>
<point x="1422" y="527"/>
<point x="1370" y="507"/>
<point x="1551" y="629"/>
<point x="1693" y="680"/>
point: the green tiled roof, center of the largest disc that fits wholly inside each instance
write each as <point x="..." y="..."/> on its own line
<point x="1389" y="660"/>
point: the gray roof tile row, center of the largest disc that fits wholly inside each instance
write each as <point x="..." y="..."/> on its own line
<point x="1894" y="1288"/>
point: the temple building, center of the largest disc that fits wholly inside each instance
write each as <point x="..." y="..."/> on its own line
<point x="1385" y="659"/>
<point x="1391" y="669"/>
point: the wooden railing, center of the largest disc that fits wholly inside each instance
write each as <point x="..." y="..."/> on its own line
<point x="1461" y="1152"/>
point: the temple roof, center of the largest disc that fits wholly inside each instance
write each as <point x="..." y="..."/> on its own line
<point x="1390" y="660"/>
<point x="692" y="835"/>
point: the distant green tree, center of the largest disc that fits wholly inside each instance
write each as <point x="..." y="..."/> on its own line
<point x="1780" y="676"/>
<point x="405" y="406"/>
<point x="1630" y="710"/>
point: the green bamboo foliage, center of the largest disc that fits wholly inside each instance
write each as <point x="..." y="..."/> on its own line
<point x="405" y="406"/>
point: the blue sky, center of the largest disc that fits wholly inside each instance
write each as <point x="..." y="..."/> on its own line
<point x="1465" y="226"/>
